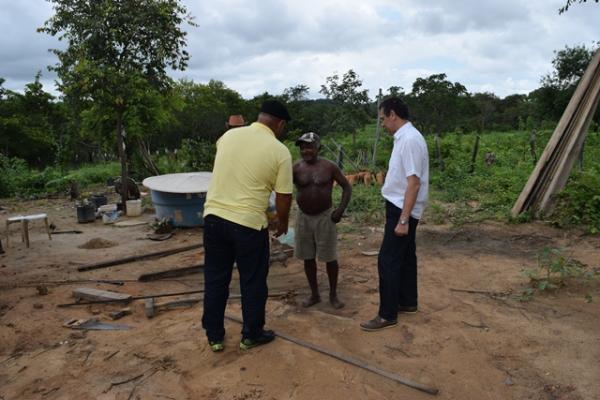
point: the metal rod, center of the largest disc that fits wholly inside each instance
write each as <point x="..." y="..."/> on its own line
<point x="351" y="360"/>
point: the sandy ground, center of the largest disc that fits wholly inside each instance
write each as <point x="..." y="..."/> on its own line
<point x="467" y="345"/>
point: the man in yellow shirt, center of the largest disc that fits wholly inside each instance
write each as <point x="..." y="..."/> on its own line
<point x="250" y="163"/>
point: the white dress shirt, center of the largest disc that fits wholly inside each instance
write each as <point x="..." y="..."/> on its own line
<point x="409" y="157"/>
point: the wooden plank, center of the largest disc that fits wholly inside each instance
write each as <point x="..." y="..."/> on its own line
<point x="524" y="200"/>
<point x="170" y="273"/>
<point x="543" y="188"/>
<point x="570" y="130"/>
<point x="91" y="294"/>
<point x="124" y="260"/>
<point x="573" y="148"/>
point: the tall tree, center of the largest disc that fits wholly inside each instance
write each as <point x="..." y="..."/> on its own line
<point x="352" y="100"/>
<point x="114" y="49"/>
<point x="437" y="103"/>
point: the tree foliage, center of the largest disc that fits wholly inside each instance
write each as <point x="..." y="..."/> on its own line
<point x="569" y="3"/>
<point x="116" y="51"/>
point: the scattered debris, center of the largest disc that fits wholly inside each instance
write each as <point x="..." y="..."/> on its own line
<point x="481" y="326"/>
<point x="162" y="226"/>
<point x="131" y="222"/>
<point x="159" y="237"/>
<point x="92" y="294"/>
<point x="120" y="314"/>
<point x="42" y="290"/>
<point x="370" y="253"/>
<point x="151" y="308"/>
<point x="94" y="324"/>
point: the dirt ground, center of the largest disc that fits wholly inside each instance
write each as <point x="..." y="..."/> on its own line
<point x="467" y="345"/>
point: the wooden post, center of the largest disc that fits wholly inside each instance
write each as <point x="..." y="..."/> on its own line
<point x="377" y="130"/>
<point x="474" y="155"/>
<point x="532" y="142"/>
<point x="438" y="152"/>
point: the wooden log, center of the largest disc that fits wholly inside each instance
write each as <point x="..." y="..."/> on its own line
<point x="124" y="260"/>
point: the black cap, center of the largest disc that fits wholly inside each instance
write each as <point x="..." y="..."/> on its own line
<point x="276" y="109"/>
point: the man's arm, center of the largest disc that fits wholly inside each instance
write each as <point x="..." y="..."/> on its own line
<point x="283" y="202"/>
<point x="410" y="198"/>
<point x="341" y="180"/>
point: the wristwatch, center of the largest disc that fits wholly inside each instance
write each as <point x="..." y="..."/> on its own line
<point x="403" y="221"/>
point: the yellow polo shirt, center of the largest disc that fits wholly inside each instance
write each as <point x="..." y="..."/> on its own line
<point x="249" y="165"/>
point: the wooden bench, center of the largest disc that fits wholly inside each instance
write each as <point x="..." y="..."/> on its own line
<point x="24" y="220"/>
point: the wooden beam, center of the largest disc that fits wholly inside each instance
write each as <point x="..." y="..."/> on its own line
<point x="124" y="260"/>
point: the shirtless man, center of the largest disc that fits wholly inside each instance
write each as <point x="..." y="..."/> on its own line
<point x="316" y="233"/>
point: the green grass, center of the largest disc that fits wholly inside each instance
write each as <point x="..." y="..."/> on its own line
<point x="463" y="193"/>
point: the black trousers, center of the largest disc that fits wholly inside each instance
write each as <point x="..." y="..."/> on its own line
<point x="226" y="242"/>
<point x="397" y="265"/>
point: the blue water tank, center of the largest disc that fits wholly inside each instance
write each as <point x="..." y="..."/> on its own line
<point x="179" y="197"/>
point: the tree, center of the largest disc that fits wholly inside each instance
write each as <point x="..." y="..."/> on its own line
<point x="30" y="123"/>
<point x="558" y="86"/>
<point x="570" y="3"/>
<point x="436" y="103"/>
<point x="352" y="102"/>
<point x="296" y="93"/>
<point x="116" y="50"/>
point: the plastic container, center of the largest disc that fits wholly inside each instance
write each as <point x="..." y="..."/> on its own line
<point x="110" y="217"/>
<point x="99" y="200"/>
<point x="134" y="208"/>
<point x="86" y="213"/>
<point x="107" y="208"/>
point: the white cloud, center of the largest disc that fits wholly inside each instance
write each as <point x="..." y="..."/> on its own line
<point x="268" y="45"/>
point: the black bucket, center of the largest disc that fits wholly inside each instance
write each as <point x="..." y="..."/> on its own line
<point x="86" y="213"/>
<point x="98" y="200"/>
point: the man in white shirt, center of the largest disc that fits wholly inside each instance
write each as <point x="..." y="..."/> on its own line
<point x="405" y="191"/>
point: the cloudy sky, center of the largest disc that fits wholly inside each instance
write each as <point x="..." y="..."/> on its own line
<point x="500" y="46"/>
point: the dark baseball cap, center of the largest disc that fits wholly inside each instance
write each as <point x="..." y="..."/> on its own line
<point x="308" y="137"/>
<point x="276" y="109"/>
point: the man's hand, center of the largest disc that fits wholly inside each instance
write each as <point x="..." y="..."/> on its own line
<point x="401" y="230"/>
<point x="282" y="228"/>
<point x="336" y="215"/>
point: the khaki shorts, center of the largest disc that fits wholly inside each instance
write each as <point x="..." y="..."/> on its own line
<point x="316" y="235"/>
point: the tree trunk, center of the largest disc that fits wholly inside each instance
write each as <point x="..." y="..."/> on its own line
<point x="123" y="158"/>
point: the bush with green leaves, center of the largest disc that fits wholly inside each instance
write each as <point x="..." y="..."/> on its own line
<point x="17" y="179"/>
<point x="579" y="203"/>
<point x="554" y="270"/>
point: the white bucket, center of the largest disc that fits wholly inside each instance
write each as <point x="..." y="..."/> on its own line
<point x="134" y="208"/>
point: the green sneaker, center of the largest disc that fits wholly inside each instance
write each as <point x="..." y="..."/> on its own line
<point x="266" y="337"/>
<point x="216" y="346"/>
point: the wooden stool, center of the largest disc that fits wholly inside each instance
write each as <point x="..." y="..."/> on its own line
<point x="24" y="220"/>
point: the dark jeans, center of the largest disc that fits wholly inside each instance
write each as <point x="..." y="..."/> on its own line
<point x="226" y="242"/>
<point x="397" y="265"/>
